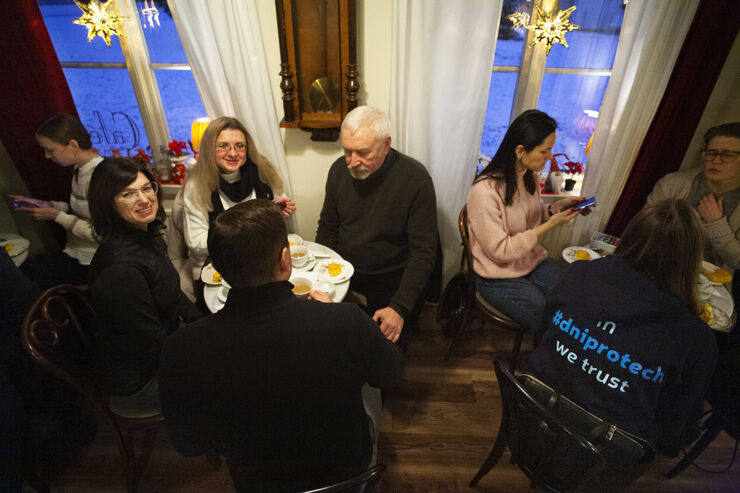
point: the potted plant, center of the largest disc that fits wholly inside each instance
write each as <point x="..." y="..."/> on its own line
<point x="570" y="167"/>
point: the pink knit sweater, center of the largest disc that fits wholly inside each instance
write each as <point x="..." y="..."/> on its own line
<point x="501" y="238"/>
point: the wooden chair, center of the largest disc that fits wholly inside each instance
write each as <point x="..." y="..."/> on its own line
<point x="460" y="304"/>
<point x="551" y="454"/>
<point x="365" y="482"/>
<point x="59" y="333"/>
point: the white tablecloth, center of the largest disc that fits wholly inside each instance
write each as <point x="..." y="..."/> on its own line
<point x="214" y="303"/>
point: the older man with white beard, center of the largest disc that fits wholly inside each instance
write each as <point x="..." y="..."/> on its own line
<point x="380" y="214"/>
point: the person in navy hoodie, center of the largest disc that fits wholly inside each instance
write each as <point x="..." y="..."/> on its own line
<point x="622" y="336"/>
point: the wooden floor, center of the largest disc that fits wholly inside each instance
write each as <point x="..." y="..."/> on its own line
<point x="438" y="427"/>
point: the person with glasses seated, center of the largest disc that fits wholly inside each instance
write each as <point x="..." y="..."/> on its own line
<point x="230" y="170"/>
<point x="134" y="288"/>
<point x="714" y="191"/>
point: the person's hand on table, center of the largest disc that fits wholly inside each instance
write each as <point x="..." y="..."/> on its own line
<point x="391" y="323"/>
<point x="287" y="206"/>
<point x="320" y="296"/>
<point x="710" y="209"/>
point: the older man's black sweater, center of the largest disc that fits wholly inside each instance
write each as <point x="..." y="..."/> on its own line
<point x="386" y="223"/>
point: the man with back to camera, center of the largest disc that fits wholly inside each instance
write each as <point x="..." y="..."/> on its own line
<point x="380" y="214"/>
<point x="273" y="382"/>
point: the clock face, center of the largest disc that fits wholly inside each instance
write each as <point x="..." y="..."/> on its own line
<point x="324" y="94"/>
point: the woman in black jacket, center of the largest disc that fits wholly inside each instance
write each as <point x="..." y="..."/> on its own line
<point x="134" y="288"/>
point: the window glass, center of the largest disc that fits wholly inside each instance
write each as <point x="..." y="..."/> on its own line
<point x="181" y="101"/>
<point x="107" y="107"/>
<point x="510" y="39"/>
<point x="500" y="101"/>
<point x="162" y="39"/>
<point x="70" y="40"/>
<point x="595" y="43"/>
<point x="573" y="100"/>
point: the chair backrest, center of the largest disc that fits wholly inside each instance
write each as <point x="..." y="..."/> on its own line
<point x="177" y="249"/>
<point x="546" y="449"/>
<point x="467" y="255"/>
<point x="365" y="482"/>
<point x="59" y="334"/>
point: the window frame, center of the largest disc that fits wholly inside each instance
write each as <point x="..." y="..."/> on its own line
<point x="141" y="71"/>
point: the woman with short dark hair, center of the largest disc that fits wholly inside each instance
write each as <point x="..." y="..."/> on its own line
<point x="622" y="336"/>
<point x="66" y="142"/>
<point x="507" y="218"/>
<point x="134" y="288"/>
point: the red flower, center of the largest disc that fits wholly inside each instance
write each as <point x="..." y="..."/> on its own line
<point x="176" y="147"/>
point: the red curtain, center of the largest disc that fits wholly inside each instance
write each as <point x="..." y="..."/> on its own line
<point x="703" y="54"/>
<point x="33" y="88"/>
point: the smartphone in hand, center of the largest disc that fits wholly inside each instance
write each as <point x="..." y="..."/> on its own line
<point x="17" y="204"/>
<point x="590" y="202"/>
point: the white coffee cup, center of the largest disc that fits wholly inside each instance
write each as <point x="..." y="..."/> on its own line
<point x="299" y="255"/>
<point x="301" y="286"/>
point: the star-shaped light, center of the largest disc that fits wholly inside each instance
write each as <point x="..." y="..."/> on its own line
<point x="519" y="18"/>
<point x="551" y="28"/>
<point x="98" y="20"/>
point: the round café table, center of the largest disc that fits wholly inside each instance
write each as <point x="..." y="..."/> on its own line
<point x="214" y="303"/>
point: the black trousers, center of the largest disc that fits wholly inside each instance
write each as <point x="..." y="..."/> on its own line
<point x="51" y="269"/>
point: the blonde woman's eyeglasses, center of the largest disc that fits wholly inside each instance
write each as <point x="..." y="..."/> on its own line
<point x="224" y="147"/>
<point x="132" y="195"/>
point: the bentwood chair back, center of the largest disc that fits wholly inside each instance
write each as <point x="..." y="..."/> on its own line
<point x="546" y="449"/>
<point x="471" y="305"/>
<point x="362" y="483"/>
<point x="59" y="334"/>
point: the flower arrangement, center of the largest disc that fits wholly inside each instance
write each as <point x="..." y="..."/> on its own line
<point x="177" y="148"/>
<point x="570" y="167"/>
<point x="142" y="157"/>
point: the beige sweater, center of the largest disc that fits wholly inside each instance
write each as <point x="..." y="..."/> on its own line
<point x="723" y="235"/>
<point x="502" y="239"/>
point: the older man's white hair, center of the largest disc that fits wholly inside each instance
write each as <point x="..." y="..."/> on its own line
<point x="367" y="116"/>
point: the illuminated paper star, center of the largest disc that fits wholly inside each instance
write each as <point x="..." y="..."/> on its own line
<point x="551" y="28"/>
<point x="98" y="20"/>
<point x="519" y="18"/>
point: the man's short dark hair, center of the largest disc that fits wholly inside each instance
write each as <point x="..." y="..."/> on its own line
<point x="245" y="242"/>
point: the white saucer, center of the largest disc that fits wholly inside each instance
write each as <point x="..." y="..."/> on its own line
<point x="569" y="253"/>
<point x="206" y="275"/>
<point x="309" y="265"/>
<point x="323" y="273"/>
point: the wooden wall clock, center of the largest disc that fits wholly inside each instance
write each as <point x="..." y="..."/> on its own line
<point x="318" y="64"/>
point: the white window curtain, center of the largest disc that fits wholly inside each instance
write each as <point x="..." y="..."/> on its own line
<point x="441" y="59"/>
<point x="651" y="38"/>
<point x="223" y="43"/>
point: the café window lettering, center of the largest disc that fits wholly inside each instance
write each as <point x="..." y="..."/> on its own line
<point x="124" y="116"/>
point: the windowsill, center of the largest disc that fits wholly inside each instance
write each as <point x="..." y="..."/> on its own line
<point x="549" y="198"/>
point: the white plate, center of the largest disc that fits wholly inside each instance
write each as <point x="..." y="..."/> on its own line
<point x="206" y="275"/>
<point x="223" y="293"/>
<point x="17" y="246"/>
<point x="569" y="253"/>
<point x="308" y="266"/>
<point x="707" y="268"/>
<point x="322" y="273"/>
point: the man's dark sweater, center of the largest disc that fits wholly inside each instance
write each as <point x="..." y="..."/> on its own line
<point x="273" y="383"/>
<point x="384" y="224"/>
<point x="625" y="349"/>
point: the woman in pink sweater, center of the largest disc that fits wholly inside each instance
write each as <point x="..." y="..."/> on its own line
<point x="507" y="217"/>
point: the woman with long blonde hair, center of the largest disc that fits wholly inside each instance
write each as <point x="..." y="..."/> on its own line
<point x="230" y="170"/>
